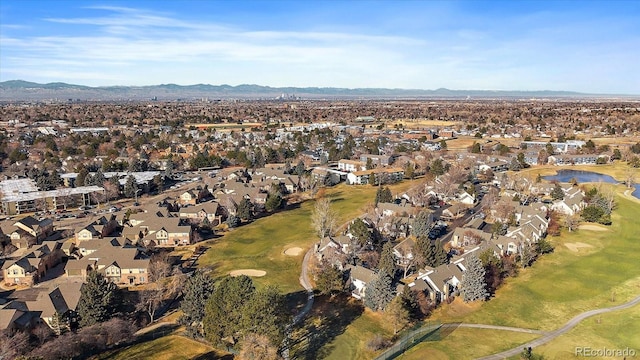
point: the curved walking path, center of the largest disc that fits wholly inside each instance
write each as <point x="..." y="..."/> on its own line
<point x="403" y="344"/>
<point x="306" y="284"/>
<point x="496" y="327"/>
<point x="554" y="334"/>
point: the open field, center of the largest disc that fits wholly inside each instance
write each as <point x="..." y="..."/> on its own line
<point x="262" y="244"/>
<point x="599" y="332"/>
<point x="466" y="343"/>
<point x="170" y="347"/>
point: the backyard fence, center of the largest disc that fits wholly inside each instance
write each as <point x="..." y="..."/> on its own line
<point x="410" y="339"/>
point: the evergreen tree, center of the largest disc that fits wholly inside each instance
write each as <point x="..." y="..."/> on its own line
<point x="329" y="280"/>
<point x="441" y="256"/>
<point x="223" y="311"/>
<point x="424" y="252"/>
<point x="98" y="178"/>
<point x="369" y="164"/>
<point x="383" y="195"/>
<point x="169" y="167"/>
<point x="421" y="224"/>
<point x="58" y="324"/>
<point x="379" y="292"/>
<point x="265" y="313"/>
<point x="258" y="158"/>
<point x="475" y="148"/>
<point x="81" y="177"/>
<point x="437" y="167"/>
<point x="557" y="193"/>
<point x="197" y="291"/>
<point x="130" y="187"/>
<point x="372" y="179"/>
<point x="360" y="231"/>
<point x="99" y="300"/>
<point x="474" y="286"/>
<point x="274" y="201"/>
<point x="386" y="196"/>
<point x="300" y="168"/>
<point x="387" y="263"/>
<point x="245" y="209"/>
<point x="54" y="180"/>
<point x="410" y="171"/>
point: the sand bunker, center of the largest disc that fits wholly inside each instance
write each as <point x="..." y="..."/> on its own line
<point x="592" y="227"/>
<point x="576" y="246"/>
<point x="248" y="272"/>
<point x="294" y="251"/>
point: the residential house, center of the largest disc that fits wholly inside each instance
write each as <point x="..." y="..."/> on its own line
<point x="189" y="197"/>
<point x="377" y="160"/>
<point x="581" y="159"/>
<point x="97" y="229"/>
<point x="404" y="252"/>
<point x="466" y="198"/>
<point x="454" y="211"/>
<point x="32" y="265"/>
<point x="351" y="165"/>
<point x="159" y="232"/>
<point x="210" y="210"/>
<point x="386" y="176"/>
<point x="504" y="245"/>
<point x="468" y="237"/>
<point x="119" y="264"/>
<point x="29" y="231"/>
<point x="61" y="300"/>
<point x="359" y="277"/>
<point x="442" y="282"/>
<point x="572" y="203"/>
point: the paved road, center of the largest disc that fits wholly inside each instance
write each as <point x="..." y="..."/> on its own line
<point x="554" y="334"/>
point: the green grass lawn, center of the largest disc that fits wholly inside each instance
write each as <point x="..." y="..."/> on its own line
<point x="617" y="330"/>
<point x="466" y="343"/>
<point x="170" y="347"/>
<point x="261" y="244"/>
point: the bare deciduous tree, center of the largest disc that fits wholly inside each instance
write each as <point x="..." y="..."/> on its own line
<point x="257" y="347"/>
<point x="324" y="218"/>
<point x="572" y="222"/>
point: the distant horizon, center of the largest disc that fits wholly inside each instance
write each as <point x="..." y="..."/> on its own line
<point x="327" y="87"/>
<point x="588" y="47"/>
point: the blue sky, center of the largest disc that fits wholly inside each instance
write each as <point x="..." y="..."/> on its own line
<point x="587" y="46"/>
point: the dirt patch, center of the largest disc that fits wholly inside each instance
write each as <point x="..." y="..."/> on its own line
<point x="294" y="251"/>
<point x="248" y="272"/>
<point x="575" y="247"/>
<point x="592" y="227"/>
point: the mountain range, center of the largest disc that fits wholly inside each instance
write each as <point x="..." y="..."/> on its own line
<point x="19" y="90"/>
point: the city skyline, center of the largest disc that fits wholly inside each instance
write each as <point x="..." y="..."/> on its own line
<point x="590" y="47"/>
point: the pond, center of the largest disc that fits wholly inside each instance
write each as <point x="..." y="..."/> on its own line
<point x="586" y="176"/>
<point x="580" y="176"/>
